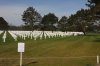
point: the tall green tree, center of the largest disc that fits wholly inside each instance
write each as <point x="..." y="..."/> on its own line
<point x="62" y="24"/>
<point x="3" y="24"/>
<point x="30" y="17"/>
<point x="81" y="20"/>
<point x="48" y="22"/>
<point x="95" y="8"/>
<point x="93" y="3"/>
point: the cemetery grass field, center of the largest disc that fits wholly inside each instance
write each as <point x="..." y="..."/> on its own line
<point x="66" y="51"/>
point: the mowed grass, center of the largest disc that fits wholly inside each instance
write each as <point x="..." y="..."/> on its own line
<point x="66" y="51"/>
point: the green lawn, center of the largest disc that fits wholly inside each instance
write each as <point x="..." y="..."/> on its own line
<point x="67" y="51"/>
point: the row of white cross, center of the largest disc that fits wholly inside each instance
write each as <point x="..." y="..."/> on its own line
<point x="1" y="32"/>
<point x="39" y="34"/>
<point x="4" y="36"/>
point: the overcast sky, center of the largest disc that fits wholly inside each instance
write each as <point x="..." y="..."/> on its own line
<point x="11" y="10"/>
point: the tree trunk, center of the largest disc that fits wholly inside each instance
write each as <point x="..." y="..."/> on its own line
<point x="84" y="31"/>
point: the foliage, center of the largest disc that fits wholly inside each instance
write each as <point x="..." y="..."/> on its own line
<point x="3" y="24"/>
<point x="81" y="20"/>
<point x="95" y="6"/>
<point x="49" y="21"/>
<point x="30" y="17"/>
<point x="93" y="3"/>
<point x="62" y="24"/>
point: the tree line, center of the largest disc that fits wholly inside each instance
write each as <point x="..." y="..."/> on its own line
<point x="83" y="20"/>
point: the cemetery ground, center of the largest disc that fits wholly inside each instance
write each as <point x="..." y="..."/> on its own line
<point x="66" y="51"/>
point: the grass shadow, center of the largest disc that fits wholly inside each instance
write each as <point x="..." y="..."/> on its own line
<point x="97" y="40"/>
<point x="92" y="35"/>
<point x="33" y="62"/>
